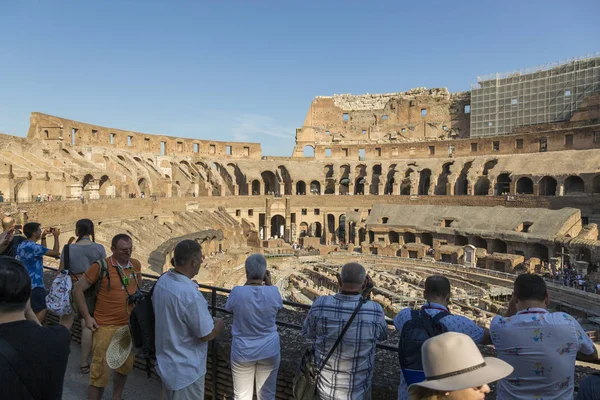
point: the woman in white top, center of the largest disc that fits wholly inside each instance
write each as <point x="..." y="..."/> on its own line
<point x="83" y="253"/>
<point x="255" y="341"/>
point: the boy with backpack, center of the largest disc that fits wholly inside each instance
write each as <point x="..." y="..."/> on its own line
<point x="115" y="282"/>
<point x="434" y="318"/>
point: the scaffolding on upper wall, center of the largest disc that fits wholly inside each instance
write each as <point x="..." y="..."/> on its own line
<point x="549" y="93"/>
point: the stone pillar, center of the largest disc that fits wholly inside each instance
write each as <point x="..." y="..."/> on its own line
<point x="513" y="187"/>
<point x="323" y="186"/>
<point x="536" y="189"/>
<point x="396" y="188"/>
<point x="287" y="232"/>
<point x="337" y="189"/>
<point x="209" y="189"/>
<point x="347" y="230"/>
<point x="236" y="190"/>
<point x="282" y="188"/>
<point x="351" y="188"/>
<point x="267" y="233"/>
<point x="249" y="188"/>
<point x="223" y="190"/>
<point x="560" y="189"/>
<point x="381" y="188"/>
<point x="449" y="189"/>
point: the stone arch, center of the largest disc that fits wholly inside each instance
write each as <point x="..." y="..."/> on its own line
<point x="315" y="230"/>
<point x="240" y="179"/>
<point x="270" y="182"/>
<point x="574" y="184"/>
<point x="427" y="238"/>
<point x="308" y="151"/>
<point x="499" y="246"/>
<point x="540" y="251"/>
<point x="394" y="237"/>
<point x="488" y="166"/>
<point x="596" y="184"/>
<point x="344" y="179"/>
<point x="460" y="240"/>
<point x="303" y="229"/>
<point x="405" y="186"/>
<point x="87" y="181"/>
<point x="331" y="226"/>
<point x="524" y="185"/>
<point x="547" y="186"/>
<point x="342" y="228"/>
<point x="277" y="226"/>
<point x="328" y="170"/>
<point x="330" y="186"/>
<point x="144" y="186"/>
<point x="503" y="182"/>
<point x="375" y="179"/>
<point x="482" y="187"/>
<point x="362" y="235"/>
<point x="461" y="186"/>
<point x="390" y="180"/>
<point x="300" y="188"/>
<point x="424" y="182"/>
<point x="315" y="187"/>
<point x="284" y="176"/>
<point x="255" y="187"/>
<point x="20" y="191"/>
<point x="107" y="189"/>
<point x="409" y="237"/>
<point x="359" y="185"/>
<point x="442" y="184"/>
<point x="479" y="242"/>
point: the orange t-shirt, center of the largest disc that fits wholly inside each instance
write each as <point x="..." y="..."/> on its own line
<point x="111" y="306"/>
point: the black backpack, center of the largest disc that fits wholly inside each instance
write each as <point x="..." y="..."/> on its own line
<point x="11" y="249"/>
<point x="414" y="333"/>
<point x="141" y="325"/>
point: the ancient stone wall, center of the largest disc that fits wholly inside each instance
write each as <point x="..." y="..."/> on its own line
<point x="48" y="127"/>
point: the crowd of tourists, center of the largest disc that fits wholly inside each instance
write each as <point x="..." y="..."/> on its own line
<point x="438" y="353"/>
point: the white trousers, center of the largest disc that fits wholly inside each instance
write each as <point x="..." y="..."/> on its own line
<point x="264" y="372"/>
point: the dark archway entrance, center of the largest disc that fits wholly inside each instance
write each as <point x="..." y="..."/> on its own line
<point x="277" y="226"/>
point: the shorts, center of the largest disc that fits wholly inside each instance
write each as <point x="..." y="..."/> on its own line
<point x="99" y="369"/>
<point x="38" y="299"/>
<point x="191" y="392"/>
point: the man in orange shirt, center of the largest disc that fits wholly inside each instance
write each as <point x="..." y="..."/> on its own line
<point x="111" y="312"/>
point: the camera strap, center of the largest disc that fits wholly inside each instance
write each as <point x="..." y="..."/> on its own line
<point x="120" y="272"/>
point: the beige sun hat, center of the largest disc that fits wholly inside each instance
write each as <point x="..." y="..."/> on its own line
<point x="119" y="348"/>
<point x="452" y="361"/>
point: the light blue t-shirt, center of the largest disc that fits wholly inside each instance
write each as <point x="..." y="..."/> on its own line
<point x="31" y="255"/>
<point x="254" y="333"/>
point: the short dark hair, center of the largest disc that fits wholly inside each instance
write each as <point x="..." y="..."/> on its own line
<point x="15" y="285"/>
<point x="117" y="238"/>
<point x="530" y="287"/>
<point x="437" y="286"/>
<point x="30" y="228"/>
<point x="184" y="251"/>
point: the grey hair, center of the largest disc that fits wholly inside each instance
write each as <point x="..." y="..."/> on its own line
<point x="353" y="273"/>
<point x="256" y="265"/>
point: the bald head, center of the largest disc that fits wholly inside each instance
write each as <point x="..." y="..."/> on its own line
<point x="7" y="223"/>
<point x="353" y="274"/>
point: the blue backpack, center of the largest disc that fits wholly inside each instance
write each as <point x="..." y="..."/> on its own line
<point x="415" y="332"/>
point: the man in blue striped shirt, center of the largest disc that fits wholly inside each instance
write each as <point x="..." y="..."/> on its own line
<point x="348" y="373"/>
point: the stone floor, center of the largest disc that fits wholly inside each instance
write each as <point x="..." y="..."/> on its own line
<point x="76" y="384"/>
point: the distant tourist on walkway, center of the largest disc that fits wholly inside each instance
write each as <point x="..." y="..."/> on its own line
<point x="255" y="341"/>
<point x="540" y="345"/>
<point x="183" y="325"/>
<point x="33" y="358"/>
<point x="349" y="371"/>
<point x="413" y="327"/>
<point x="455" y="370"/>
<point x="119" y="277"/>
<point x="31" y="255"/>
<point x="81" y="255"/>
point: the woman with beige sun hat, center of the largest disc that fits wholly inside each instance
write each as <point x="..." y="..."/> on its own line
<point x="456" y="370"/>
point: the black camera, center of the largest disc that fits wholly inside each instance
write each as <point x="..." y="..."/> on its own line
<point x="135" y="297"/>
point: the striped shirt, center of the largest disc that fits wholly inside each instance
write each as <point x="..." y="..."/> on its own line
<point x="348" y="373"/>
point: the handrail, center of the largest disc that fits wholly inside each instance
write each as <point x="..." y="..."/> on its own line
<point x="214" y="309"/>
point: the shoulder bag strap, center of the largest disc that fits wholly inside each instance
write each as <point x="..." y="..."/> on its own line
<point x="66" y="257"/>
<point x="17" y="364"/>
<point x="339" y="339"/>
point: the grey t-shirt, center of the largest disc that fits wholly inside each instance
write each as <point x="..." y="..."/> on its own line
<point x="82" y="255"/>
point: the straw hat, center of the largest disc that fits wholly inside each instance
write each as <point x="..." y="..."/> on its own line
<point x="452" y="361"/>
<point x="119" y="348"/>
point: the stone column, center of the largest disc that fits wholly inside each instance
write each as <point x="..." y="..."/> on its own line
<point x="351" y="188"/>
<point x="267" y="218"/>
<point x="513" y="187"/>
<point x="287" y="232"/>
<point x="381" y="188"/>
<point x="209" y="189"/>
<point x="396" y="188"/>
<point x="337" y="189"/>
<point x="282" y="188"/>
<point x="236" y="190"/>
<point x="560" y="189"/>
<point x="223" y="190"/>
<point x="249" y="188"/>
<point x="536" y="189"/>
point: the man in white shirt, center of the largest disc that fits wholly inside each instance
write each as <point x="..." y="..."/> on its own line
<point x="540" y="345"/>
<point x="183" y="326"/>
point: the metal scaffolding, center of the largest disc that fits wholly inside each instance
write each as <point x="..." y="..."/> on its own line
<point x="549" y="93"/>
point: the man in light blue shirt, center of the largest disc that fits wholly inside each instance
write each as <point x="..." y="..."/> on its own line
<point x="437" y="293"/>
<point x="183" y="326"/>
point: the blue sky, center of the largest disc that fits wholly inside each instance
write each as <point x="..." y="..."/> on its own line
<point x="248" y="70"/>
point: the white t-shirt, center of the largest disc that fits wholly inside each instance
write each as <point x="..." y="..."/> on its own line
<point x="254" y="333"/>
<point x="181" y="319"/>
<point x="541" y="346"/>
